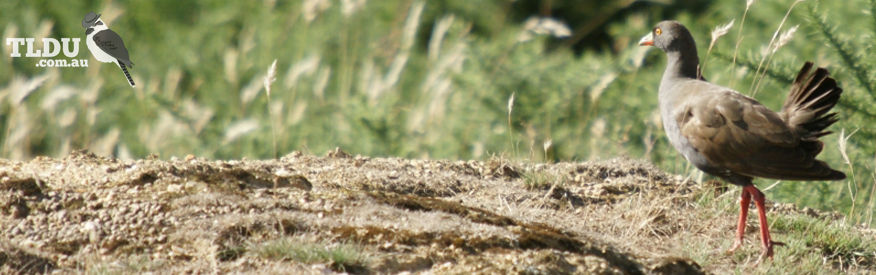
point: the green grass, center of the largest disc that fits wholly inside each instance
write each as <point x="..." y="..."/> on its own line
<point x="830" y="237"/>
<point x="811" y="240"/>
<point x="537" y="180"/>
<point x="420" y="79"/>
<point x="340" y="256"/>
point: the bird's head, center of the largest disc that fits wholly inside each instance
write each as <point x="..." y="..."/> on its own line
<point x="92" y="23"/>
<point x="668" y="36"/>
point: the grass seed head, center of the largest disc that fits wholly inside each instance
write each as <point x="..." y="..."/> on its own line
<point x="785" y="37"/>
<point x="270" y="77"/>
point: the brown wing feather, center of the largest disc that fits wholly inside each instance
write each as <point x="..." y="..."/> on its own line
<point x="736" y="133"/>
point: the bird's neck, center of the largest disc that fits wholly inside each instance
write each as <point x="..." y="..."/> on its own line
<point x="682" y="64"/>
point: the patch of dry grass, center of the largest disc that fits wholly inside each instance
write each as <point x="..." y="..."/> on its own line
<point x="360" y="214"/>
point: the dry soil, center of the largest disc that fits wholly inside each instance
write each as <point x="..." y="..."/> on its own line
<point x="340" y="213"/>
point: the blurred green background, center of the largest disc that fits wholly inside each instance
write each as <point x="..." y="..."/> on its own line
<point x="425" y="79"/>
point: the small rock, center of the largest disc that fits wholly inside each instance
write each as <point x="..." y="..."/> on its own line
<point x="93" y="230"/>
<point x="174" y="188"/>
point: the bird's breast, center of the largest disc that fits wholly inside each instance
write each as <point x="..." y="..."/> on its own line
<point x="673" y="113"/>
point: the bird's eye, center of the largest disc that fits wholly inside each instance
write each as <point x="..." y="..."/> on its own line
<point x="658" y="31"/>
<point x="99" y="23"/>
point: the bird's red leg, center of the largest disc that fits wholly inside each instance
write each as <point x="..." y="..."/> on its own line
<point x="743" y="215"/>
<point x="766" y="241"/>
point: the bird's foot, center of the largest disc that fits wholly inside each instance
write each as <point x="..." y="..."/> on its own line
<point x="736" y="245"/>
<point x="767" y="252"/>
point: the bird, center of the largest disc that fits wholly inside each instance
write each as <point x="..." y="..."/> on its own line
<point x="734" y="137"/>
<point x="106" y="45"/>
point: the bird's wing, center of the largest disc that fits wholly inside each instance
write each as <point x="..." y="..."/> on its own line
<point x="112" y="44"/>
<point x="736" y="133"/>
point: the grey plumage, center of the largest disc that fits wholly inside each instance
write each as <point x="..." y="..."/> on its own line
<point x="111" y="43"/>
<point x="734" y="137"/>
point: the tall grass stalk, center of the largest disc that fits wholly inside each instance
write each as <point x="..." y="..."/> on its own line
<point x="842" y="143"/>
<point x="759" y="74"/>
<point x="269" y="80"/>
<point x="718" y="32"/>
<point x="784" y="38"/>
<point x="510" y="128"/>
<point x="739" y="37"/>
<point x="871" y="207"/>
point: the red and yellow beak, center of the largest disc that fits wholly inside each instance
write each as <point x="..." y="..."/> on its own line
<point x="647" y="40"/>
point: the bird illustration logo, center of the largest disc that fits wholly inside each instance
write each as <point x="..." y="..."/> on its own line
<point x="106" y="45"/>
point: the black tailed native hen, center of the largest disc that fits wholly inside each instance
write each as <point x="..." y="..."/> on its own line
<point x="732" y="136"/>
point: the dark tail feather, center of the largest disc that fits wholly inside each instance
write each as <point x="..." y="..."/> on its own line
<point x="127" y="75"/>
<point x="811" y="97"/>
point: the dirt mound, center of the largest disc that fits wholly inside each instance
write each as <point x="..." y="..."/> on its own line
<point x="341" y="213"/>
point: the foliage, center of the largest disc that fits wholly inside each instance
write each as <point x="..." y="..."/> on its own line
<point x="419" y="79"/>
